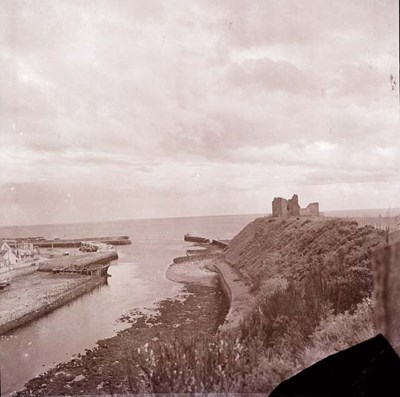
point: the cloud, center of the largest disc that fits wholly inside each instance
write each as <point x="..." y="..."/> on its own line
<point x="266" y="74"/>
<point x="233" y="100"/>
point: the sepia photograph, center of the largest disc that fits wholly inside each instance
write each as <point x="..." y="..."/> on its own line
<point x="199" y="198"/>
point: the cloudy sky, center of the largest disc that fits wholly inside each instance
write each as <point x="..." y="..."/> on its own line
<point x="138" y="108"/>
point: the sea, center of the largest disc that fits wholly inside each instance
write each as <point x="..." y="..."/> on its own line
<point x="137" y="283"/>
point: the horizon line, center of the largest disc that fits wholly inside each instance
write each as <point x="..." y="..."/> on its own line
<point x="184" y="217"/>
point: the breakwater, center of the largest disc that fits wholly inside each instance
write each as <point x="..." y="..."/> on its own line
<point x="204" y="240"/>
<point x="220" y="244"/>
<point x="196" y="239"/>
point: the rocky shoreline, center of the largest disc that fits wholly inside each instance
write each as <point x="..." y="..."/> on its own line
<point x="103" y="369"/>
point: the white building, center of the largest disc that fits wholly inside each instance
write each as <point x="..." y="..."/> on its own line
<point x="7" y="256"/>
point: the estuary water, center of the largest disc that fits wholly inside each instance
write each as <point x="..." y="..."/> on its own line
<point x="137" y="282"/>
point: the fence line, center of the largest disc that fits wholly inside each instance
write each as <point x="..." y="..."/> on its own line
<point x="377" y="225"/>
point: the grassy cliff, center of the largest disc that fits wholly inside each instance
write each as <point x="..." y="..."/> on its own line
<point x="334" y="252"/>
<point x="312" y="283"/>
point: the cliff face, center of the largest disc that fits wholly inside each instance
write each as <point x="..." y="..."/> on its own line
<point x="337" y="250"/>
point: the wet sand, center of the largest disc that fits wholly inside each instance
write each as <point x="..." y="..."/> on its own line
<point x="194" y="269"/>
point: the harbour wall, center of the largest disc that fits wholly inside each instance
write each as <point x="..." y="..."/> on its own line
<point x="219" y="243"/>
<point x="195" y="239"/>
<point x="48" y="307"/>
<point x="204" y="240"/>
<point x="89" y="264"/>
<point x="238" y="293"/>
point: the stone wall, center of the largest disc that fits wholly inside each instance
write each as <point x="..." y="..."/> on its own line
<point x="219" y="244"/>
<point x="311" y="210"/>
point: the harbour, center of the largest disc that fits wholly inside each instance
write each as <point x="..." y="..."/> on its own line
<point x="131" y="131"/>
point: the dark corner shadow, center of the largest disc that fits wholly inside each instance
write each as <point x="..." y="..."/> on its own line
<point x="368" y="369"/>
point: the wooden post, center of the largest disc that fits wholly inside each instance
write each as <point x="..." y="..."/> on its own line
<point x="386" y="269"/>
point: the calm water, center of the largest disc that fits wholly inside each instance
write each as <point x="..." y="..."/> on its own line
<point x="138" y="282"/>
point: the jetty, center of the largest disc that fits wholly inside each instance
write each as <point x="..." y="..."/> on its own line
<point x="220" y="244"/>
<point x="194" y="239"/>
<point x="203" y="240"/>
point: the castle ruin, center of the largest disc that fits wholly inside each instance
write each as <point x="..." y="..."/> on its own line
<point x="282" y="207"/>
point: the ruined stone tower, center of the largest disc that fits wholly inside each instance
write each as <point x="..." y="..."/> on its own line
<point x="282" y="207"/>
<point x="279" y="207"/>
<point x="293" y="206"/>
